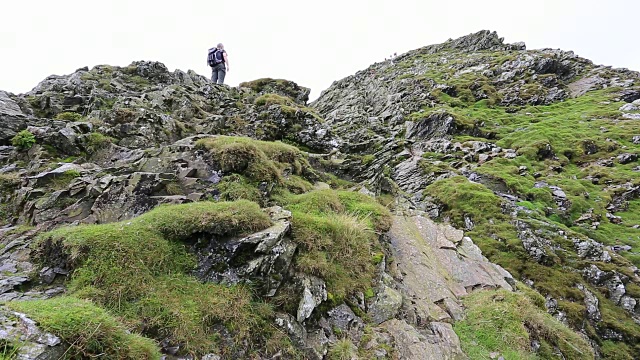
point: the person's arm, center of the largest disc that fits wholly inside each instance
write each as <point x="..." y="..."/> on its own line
<point x="226" y="60"/>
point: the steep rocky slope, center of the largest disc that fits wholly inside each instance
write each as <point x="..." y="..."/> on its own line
<point x="534" y="153"/>
<point x="147" y="213"/>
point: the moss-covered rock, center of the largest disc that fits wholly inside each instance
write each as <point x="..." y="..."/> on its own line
<point x="87" y="329"/>
<point x="139" y="270"/>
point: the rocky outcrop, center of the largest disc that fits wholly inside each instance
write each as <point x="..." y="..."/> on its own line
<point x="475" y="113"/>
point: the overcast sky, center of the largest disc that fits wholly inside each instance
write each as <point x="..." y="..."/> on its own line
<point x="312" y="43"/>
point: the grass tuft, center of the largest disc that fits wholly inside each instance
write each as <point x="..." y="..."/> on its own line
<point x="337" y="232"/>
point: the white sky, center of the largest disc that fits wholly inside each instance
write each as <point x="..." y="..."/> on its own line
<point x="312" y="43"/>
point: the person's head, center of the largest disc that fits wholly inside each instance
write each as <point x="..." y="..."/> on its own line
<point x="220" y="46"/>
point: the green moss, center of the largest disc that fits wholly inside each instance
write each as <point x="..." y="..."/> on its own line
<point x="9" y="181"/>
<point x="23" y="140"/>
<point x="506" y="322"/>
<point x="89" y="330"/>
<point x="139" y="269"/>
<point x="337" y="231"/>
<point x="368" y="159"/>
<point x="69" y="116"/>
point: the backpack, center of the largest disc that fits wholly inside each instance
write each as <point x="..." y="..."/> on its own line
<point x="215" y="57"/>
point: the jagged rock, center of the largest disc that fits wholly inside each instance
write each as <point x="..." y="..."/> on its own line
<point x="348" y="324"/>
<point x="482" y="40"/>
<point x="536" y="246"/>
<point x="265" y="256"/>
<point x="29" y="341"/>
<point x="434" y="125"/>
<point x="296" y="331"/>
<point x="591" y="303"/>
<point x="627" y="158"/>
<point x="385" y="306"/>
<point x="592" y="250"/>
<point x="314" y="292"/>
<point x="614" y="282"/>
<point x="618" y="248"/>
<point x="621" y="196"/>
<point x="628" y="107"/>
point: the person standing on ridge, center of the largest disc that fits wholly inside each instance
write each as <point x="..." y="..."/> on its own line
<point x="219" y="63"/>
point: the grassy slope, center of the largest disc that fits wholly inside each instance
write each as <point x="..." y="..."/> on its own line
<point x="507" y="323"/>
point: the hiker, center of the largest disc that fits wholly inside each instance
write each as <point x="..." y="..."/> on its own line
<point x="219" y="63"/>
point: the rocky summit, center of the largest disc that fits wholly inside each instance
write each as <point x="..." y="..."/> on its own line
<point x="466" y="200"/>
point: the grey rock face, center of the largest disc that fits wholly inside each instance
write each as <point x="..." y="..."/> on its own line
<point x="266" y="255"/>
<point x="348" y="324"/>
<point x="537" y="247"/>
<point x="314" y="292"/>
<point x="423" y="252"/>
<point x="591" y="303"/>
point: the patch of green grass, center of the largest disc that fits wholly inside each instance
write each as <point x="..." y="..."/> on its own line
<point x="257" y="160"/>
<point x="9" y="181"/>
<point x="96" y="141"/>
<point x="461" y="197"/>
<point x="235" y="187"/>
<point x="139" y="81"/>
<point x="342" y="350"/>
<point x="9" y="349"/>
<point x="615" y="351"/>
<point x="337" y="232"/>
<point x="368" y="159"/>
<point x="506" y="322"/>
<point x="174" y="188"/>
<point x="271" y="99"/>
<point x="69" y="116"/>
<point x="297" y="184"/>
<point x="139" y="270"/>
<point x="89" y="330"/>
<point x="62" y="181"/>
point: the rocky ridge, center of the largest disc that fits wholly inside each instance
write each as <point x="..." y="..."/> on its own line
<point x="144" y="153"/>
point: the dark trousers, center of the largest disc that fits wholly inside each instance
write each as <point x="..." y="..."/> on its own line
<point x="218" y="73"/>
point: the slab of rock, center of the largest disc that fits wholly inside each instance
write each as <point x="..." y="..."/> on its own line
<point x="385" y="306"/>
<point x="434" y="262"/>
<point x="439" y="342"/>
